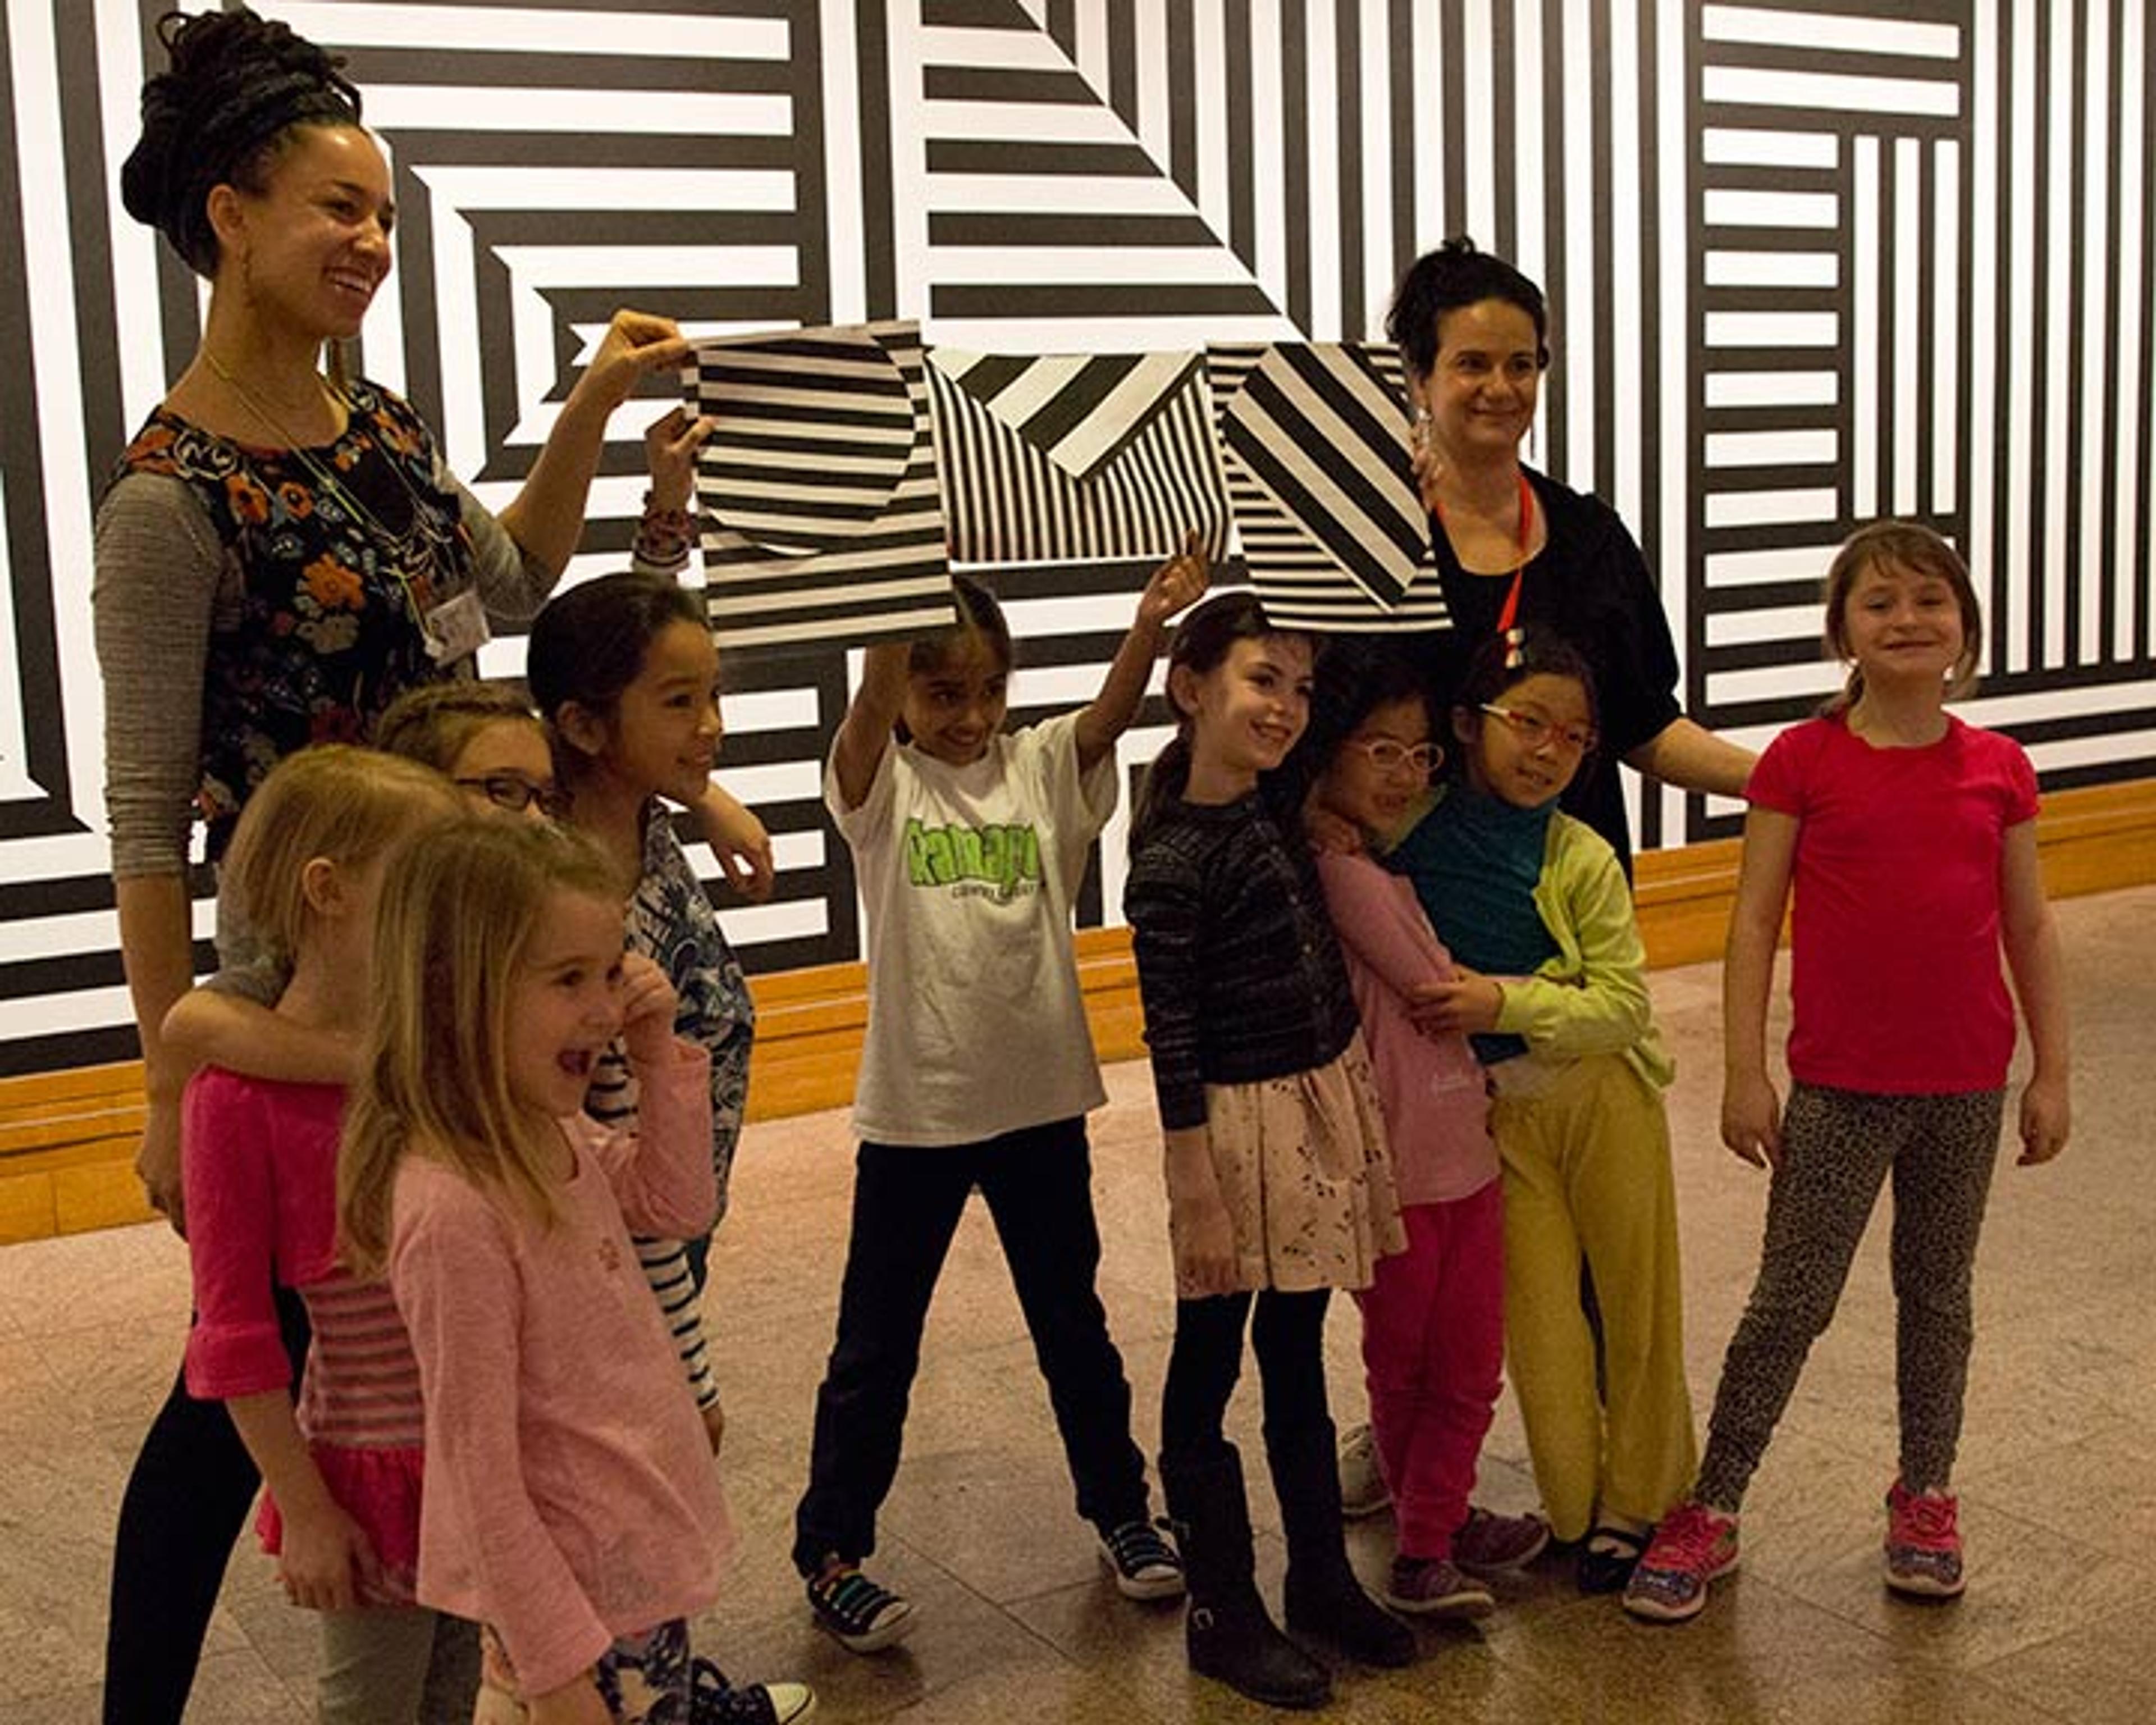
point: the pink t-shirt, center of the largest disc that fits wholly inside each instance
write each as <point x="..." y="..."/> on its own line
<point x="1896" y="982"/>
<point x="571" y="1494"/>
<point x="1436" y="1097"/>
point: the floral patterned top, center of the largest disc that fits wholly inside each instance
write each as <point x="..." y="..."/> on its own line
<point x="233" y="583"/>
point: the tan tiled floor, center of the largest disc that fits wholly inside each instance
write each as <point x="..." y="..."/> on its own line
<point x="2058" y="1474"/>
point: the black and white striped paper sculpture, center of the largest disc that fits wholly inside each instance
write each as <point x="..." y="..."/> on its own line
<point x="1076" y="457"/>
<point x="1332" y="529"/>
<point x="822" y="504"/>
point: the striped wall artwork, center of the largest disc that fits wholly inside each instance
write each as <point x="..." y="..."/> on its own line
<point x="1807" y="260"/>
<point x="822" y="505"/>
<point x="1064" y="457"/>
<point x="1331" y="527"/>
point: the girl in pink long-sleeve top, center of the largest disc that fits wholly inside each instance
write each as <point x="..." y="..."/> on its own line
<point x="571" y="1507"/>
<point x="1433" y="1318"/>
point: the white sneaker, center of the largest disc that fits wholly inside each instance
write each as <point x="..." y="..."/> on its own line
<point x="1363" y="1488"/>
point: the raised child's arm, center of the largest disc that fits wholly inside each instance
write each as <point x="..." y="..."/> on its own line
<point x="2031" y="939"/>
<point x="1176" y="583"/>
<point x="1751" y="1111"/>
<point x="865" y="734"/>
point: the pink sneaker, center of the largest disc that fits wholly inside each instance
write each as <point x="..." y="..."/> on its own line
<point x="1924" y="1543"/>
<point x="1693" y="1546"/>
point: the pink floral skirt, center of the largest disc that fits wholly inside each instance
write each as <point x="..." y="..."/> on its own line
<point x="1306" y="1176"/>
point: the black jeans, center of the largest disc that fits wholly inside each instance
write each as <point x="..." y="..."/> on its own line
<point x="186" y="1503"/>
<point x="1288" y="1337"/>
<point x="907" y="1201"/>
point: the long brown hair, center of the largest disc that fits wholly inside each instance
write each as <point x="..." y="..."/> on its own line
<point x="456" y="919"/>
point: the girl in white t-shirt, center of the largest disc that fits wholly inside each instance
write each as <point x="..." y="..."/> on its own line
<point x="976" y="1070"/>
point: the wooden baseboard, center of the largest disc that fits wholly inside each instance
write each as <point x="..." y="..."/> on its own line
<point x="67" y="1139"/>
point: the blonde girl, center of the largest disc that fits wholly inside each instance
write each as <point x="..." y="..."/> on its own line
<point x="1910" y="839"/>
<point x="486" y="737"/>
<point x="1278" y="1182"/>
<point x="1552" y="990"/>
<point x="580" y="1538"/>
<point x="342" y="1467"/>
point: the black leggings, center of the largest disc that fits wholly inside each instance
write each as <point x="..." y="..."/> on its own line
<point x="187" y="1501"/>
<point x="1287" y="1336"/>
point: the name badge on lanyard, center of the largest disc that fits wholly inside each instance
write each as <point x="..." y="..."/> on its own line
<point x="455" y="628"/>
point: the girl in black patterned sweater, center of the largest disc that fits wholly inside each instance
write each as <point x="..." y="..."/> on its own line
<point x="1279" y="1186"/>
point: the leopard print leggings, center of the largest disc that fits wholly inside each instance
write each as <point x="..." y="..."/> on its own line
<point x="1837" y="1147"/>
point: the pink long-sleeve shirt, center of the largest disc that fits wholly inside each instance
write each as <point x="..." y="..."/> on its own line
<point x="1435" y="1098"/>
<point x="571" y="1494"/>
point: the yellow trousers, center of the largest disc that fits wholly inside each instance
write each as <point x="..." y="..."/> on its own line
<point x="1587" y="1175"/>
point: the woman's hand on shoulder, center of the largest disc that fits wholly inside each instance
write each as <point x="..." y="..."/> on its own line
<point x="648" y="1005"/>
<point x="636" y="343"/>
<point x="1752" y="1119"/>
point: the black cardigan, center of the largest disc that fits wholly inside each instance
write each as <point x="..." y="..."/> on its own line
<point x="1238" y="965"/>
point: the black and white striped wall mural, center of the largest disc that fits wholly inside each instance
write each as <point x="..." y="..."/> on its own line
<point x="1809" y="262"/>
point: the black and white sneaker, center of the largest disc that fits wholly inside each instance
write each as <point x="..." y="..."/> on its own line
<point x="1144" y="1564"/>
<point x="864" y="1617"/>
<point x="713" y="1700"/>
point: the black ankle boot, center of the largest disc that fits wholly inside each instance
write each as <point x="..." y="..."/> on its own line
<point x="1229" y="1637"/>
<point x="1323" y="1599"/>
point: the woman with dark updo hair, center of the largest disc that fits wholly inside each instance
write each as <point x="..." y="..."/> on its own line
<point x="280" y="554"/>
<point x="1515" y="547"/>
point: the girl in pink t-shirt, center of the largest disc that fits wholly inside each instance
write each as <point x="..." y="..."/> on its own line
<point x="571" y="1507"/>
<point x="1911" y="840"/>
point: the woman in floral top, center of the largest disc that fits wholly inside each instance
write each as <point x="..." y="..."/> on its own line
<point x="281" y="553"/>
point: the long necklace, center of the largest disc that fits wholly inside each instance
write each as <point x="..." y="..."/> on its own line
<point x="393" y="544"/>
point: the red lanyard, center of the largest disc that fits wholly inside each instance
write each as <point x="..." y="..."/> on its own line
<point x="1510" y="613"/>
